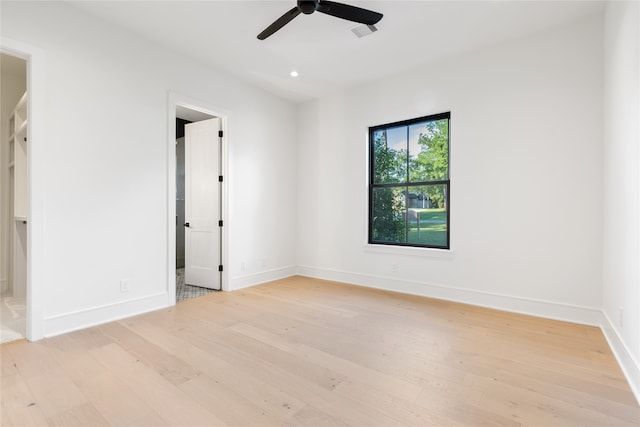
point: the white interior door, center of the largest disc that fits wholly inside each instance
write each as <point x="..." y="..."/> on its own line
<point x="202" y="204"/>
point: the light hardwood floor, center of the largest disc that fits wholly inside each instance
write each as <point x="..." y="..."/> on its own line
<point x="308" y="352"/>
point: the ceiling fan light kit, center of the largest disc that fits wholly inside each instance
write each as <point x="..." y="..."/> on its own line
<point x="338" y="10"/>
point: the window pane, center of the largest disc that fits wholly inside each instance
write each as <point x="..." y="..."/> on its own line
<point x="427" y="215"/>
<point x="390" y="155"/>
<point x="429" y="151"/>
<point x="409" y="182"/>
<point x="388" y="215"/>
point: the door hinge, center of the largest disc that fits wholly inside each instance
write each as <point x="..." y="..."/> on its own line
<point x="220" y="178"/>
<point x="219" y="268"/>
<point x="220" y="223"/>
<point x="220" y="134"/>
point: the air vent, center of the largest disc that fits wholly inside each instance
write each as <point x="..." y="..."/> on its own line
<point x="363" y="30"/>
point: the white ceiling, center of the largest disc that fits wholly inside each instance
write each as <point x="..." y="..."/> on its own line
<point x="322" y="48"/>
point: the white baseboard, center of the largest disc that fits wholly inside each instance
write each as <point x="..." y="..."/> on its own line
<point x="81" y="319"/>
<point x="547" y="309"/>
<point x="629" y="366"/>
<point x="248" y="280"/>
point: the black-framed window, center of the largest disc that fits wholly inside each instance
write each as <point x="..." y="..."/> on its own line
<point x="409" y="188"/>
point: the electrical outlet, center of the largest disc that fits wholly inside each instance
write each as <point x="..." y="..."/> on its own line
<point x="394" y="268"/>
<point x="243" y="265"/>
<point x="124" y="285"/>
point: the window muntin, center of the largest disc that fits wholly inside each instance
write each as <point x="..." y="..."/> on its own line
<point x="409" y="188"/>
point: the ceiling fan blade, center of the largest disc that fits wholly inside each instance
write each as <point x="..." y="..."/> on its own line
<point x="279" y="23"/>
<point x="350" y="13"/>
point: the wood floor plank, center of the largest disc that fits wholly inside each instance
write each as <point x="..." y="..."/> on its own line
<point x="261" y="394"/>
<point x="578" y="397"/>
<point x="8" y="366"/>
<point x="18" y="406"/>
<point x="169" y="366"/>
<point x="79" y="416"/>
<point x="117" y="403"/>
<point x="32" y="359"/>
<point x="310" y="416"/>
<point x="414" y="364"/>
<point x="54" y="392"/>
<point x="171" y="404"/>
<point x="520" y="404"/>
<point x="90" y="338"/>
<point x="228" y="405"/>
<point x="263" y="363"/>
<point x="309" y="352"/>
<point x="371" y="377"/>
<point x="402" y="411"/>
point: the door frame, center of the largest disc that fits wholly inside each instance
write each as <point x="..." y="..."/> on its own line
<point x="175" y="100"/>
<point x="36" y="183"/>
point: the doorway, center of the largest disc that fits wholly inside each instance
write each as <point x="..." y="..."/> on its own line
<point x="13" y="197"/>
<point x="198" y="202"/>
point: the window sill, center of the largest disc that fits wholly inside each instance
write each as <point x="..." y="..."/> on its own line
<point x="409" y="250"/>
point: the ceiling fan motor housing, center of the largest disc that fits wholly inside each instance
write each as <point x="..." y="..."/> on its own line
<point x="307" y="7"/>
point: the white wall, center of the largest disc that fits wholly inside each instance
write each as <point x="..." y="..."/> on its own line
<point x="12" y="86"/>
<point x="526" y="177"/>
<point x="106" y="93"/>
<point x="621" y="274"/>
<point x="527" y="173"/>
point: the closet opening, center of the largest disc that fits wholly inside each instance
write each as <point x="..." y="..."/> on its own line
<point x="13" y="197"/>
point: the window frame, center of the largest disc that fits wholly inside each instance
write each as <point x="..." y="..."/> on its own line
<point x="407" y="184"/>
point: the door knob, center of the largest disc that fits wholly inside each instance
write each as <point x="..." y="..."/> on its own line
<point x="186" y="224"/>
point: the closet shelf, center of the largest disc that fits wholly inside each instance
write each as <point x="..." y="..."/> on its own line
<point x="22" y="127"/>
<point x="23" y="101"/>
<point x="18" y="158"/>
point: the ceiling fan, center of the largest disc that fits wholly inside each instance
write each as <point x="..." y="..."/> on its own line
<point x="339" y="10"/>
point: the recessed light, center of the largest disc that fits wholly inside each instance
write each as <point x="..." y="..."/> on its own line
<point x="294" y="73"/>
